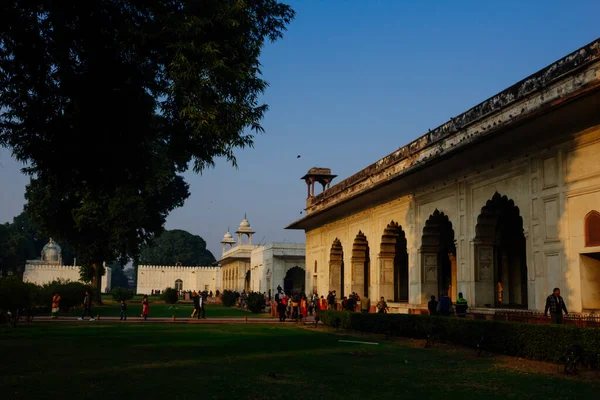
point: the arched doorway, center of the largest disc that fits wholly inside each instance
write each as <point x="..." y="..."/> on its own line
<point x="438" y="254"/>
<point x="501" y="272"/>
<point x="361" y="265"/>
<point x="248" y="280"/>
<point x="294" y="281"/>
<point x="394" y="264"/>
<point x="336" y="268"/>
<point x="178" y="285"/>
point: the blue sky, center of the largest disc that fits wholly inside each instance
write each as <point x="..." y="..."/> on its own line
<point x="351" y="82"/>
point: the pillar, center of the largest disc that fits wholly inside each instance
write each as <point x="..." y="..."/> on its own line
<point x="429" y="272"/>
<point x="358" y="275"/>
<point x="386" y="276"/>
<point x="484" y="274"/>
<point x="454" y="284"/>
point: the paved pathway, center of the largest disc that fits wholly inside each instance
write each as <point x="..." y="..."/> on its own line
<point x="138" y="320"/>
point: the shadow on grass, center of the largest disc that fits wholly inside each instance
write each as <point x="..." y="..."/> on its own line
<point x="245" y="361"/>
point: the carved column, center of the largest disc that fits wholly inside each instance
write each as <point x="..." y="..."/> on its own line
<point x="386" y="275"/>
<point x="453" y="292"/>
<point x="429" y="272"/>
<point x="484" y="273"/>
<point x="358" y="275"/>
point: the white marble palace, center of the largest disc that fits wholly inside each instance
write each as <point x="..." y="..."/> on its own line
<point x="501" y="203"/>
<point x="50" y="268"/>
<point x="261" y="268"/>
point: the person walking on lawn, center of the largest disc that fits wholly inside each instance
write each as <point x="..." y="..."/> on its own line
<point x="203" y="300"/>
<point x="123" y="310"/>
<point x="556" y="304"/>
<point x="87" y="307"/>
<point x="145" y="307"/>
<point x="55" y="305"/>
<point x="196" y="301"/>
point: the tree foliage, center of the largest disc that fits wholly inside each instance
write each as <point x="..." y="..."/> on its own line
<point x="108" y="103"/>
<point x="176" y="246"/>
<point x="15" y="296"/>
<point x="120" y="294"/>
<point x="118" y="277"/>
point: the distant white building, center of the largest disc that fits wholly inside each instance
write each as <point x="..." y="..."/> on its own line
<point x="256" y="268"/>
<point x="50" y="268"/>
<point x="160" y="277"/>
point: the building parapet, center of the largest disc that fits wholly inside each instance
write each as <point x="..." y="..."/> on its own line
<point x="53" y="266"/>
<point x="180" y="267"/>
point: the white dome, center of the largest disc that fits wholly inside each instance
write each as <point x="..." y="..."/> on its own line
<point x="51" y="251"/>
<point x="228" y="238"/>
<point x="244" y="224"/>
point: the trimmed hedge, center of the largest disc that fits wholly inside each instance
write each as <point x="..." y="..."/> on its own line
<point x="228" y="298"/>
<point x="169" y="295"/>
<point x="256" y="302"/>
<point x="538" y="342"/>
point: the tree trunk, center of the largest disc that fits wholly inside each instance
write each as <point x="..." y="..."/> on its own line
<point x="97" y="282"/>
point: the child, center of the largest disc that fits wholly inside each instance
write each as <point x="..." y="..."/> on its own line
<point x="123" y="310"/>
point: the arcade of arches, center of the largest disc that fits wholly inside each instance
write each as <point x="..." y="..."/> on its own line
<point x="500" y="249"/>
<point x="405" y="271"/>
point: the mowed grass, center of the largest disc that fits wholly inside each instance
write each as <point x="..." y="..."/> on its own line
<point x="162" y="310"/>
<point x="151" y="361"/>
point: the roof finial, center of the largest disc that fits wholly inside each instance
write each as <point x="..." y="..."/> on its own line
<point x="244" y="215"/>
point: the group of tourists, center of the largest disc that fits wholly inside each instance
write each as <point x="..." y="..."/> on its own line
<point x="297" y="306"/>
<point x="443" y="306"/>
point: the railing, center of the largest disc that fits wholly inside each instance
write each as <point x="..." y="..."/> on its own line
<point x="528" y="317"/>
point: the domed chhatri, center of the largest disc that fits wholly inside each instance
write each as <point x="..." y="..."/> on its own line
<point x="51" y="252"/>
<point x="228" y="240"/>
<point x="244" y="226"/>
<point x="244" y="229"/>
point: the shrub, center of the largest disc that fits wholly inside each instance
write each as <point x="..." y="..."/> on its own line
<point x="71" y="294"/>
<point x="228" y="298"/>
<point x="15" y="296"/>
<point x="169" y="295"/>
<point x="120" y="294"/>
<point x="540" y="342"/>
<point x="255" y="302"/>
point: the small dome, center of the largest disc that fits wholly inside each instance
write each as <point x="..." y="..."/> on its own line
<point x="244" y="224"/>
<point x="51" y="252"/>
<point x="228" y="238"/>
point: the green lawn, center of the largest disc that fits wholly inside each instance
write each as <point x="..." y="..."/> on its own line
<point x="88" y="360"/>
<point x="162" y="310"/>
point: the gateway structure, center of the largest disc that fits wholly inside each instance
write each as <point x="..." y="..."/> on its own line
<point x="501" y="203"/>
<point x="255" y="268"/>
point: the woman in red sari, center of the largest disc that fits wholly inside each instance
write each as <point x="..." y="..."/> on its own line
<point x="304" y="307"/>
<point x="145" y="307"/>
